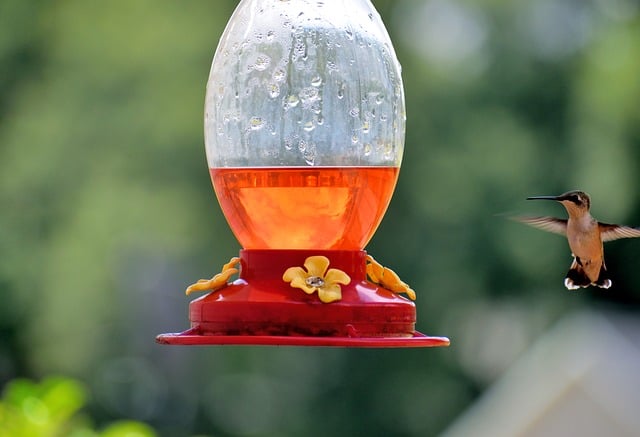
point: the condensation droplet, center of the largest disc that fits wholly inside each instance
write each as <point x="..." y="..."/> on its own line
<point x="262" y="63"/>
<point x="290" y="102"/>
<point x="256" y="123"/>
<point x="270" y="35"/>
<point x="365" y="127"/>
<point x="279" y="75"/>
<point x="349" y="34"/>
<point x="274" y="90"/>
<point x="389" y="152"/>
<point x="367" y="149"/>
<point x="309" y="96"/>
<point x="354" y="112"/>
<point x="299" y="49"/>
<point x="290" y="142"/>
<point x="341" y="91"/>
<point x="308" y="126"/>
<point x="316" y="81"/>
<point x="354" y="139"/>
<point x="379" y="99"/>
<point x="310" y="154"/>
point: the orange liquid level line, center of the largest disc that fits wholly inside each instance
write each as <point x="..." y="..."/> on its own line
<point x="324" y="208"/>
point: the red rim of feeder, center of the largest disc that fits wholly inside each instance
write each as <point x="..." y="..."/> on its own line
<point x="260" y="308"/>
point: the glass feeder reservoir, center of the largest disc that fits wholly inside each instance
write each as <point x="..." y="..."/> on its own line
<point x="304" y="133"/>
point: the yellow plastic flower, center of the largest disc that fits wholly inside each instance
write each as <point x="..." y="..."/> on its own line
<point x="387" y="278"/>
<point x="316" y="277"/>
<point x="218" y="281"/>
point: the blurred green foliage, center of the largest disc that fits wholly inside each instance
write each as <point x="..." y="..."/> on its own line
<point x="107" y="212"/>
<point x="50" y="408"/>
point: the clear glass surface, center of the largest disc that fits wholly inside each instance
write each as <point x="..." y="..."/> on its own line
<point x="304" y="83"/>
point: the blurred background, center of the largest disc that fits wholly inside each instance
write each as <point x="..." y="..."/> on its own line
<point x="107" y="213"/>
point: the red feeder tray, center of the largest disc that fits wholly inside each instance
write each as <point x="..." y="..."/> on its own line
<point x="260" y="308"/>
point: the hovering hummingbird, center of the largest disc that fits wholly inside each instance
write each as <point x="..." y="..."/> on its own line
<point x="586" y="237"/>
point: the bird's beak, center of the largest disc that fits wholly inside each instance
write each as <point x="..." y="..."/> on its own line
<point x="558" y="198"/>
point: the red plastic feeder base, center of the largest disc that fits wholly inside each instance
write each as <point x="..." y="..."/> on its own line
<point x="260" y="308"/>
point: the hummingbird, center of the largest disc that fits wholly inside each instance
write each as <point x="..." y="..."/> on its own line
<point x="585" y="235"/>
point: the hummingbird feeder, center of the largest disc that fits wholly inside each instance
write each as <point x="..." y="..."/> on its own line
<point x="304" y="133"/>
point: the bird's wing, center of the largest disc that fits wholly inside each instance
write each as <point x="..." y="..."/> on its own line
<point x="549" y="224"/>
<point x="615" y="232"/>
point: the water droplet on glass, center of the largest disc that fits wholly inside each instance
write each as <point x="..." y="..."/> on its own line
<point x="274" y="90"/>
<point x="290" y="141"/>
<point x="310" y="154"/>
<point x="309" y="126"/>
<point x="299" y="49"/>
<point x="349" y="34"/>
<point x="262" y="63"/>
<point x="309" y="96"/>
<point x="291" y="102"/>
<point x="270" y="35"/>
<point x="256" y="123"/>
<point x="354" y="139"/>
<point x="379" y="99"/>
<point x="316" y="81"/>
<point x="354" y="112"/>
<point x="389" y="152"/>
<point x="341" y="91"/>
<point x="279" y="75"/>
<point x="365" y="127"/>
<point x="367" y="149"/>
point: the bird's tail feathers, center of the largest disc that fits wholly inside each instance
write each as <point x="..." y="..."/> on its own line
<point x="577" y="277"/>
